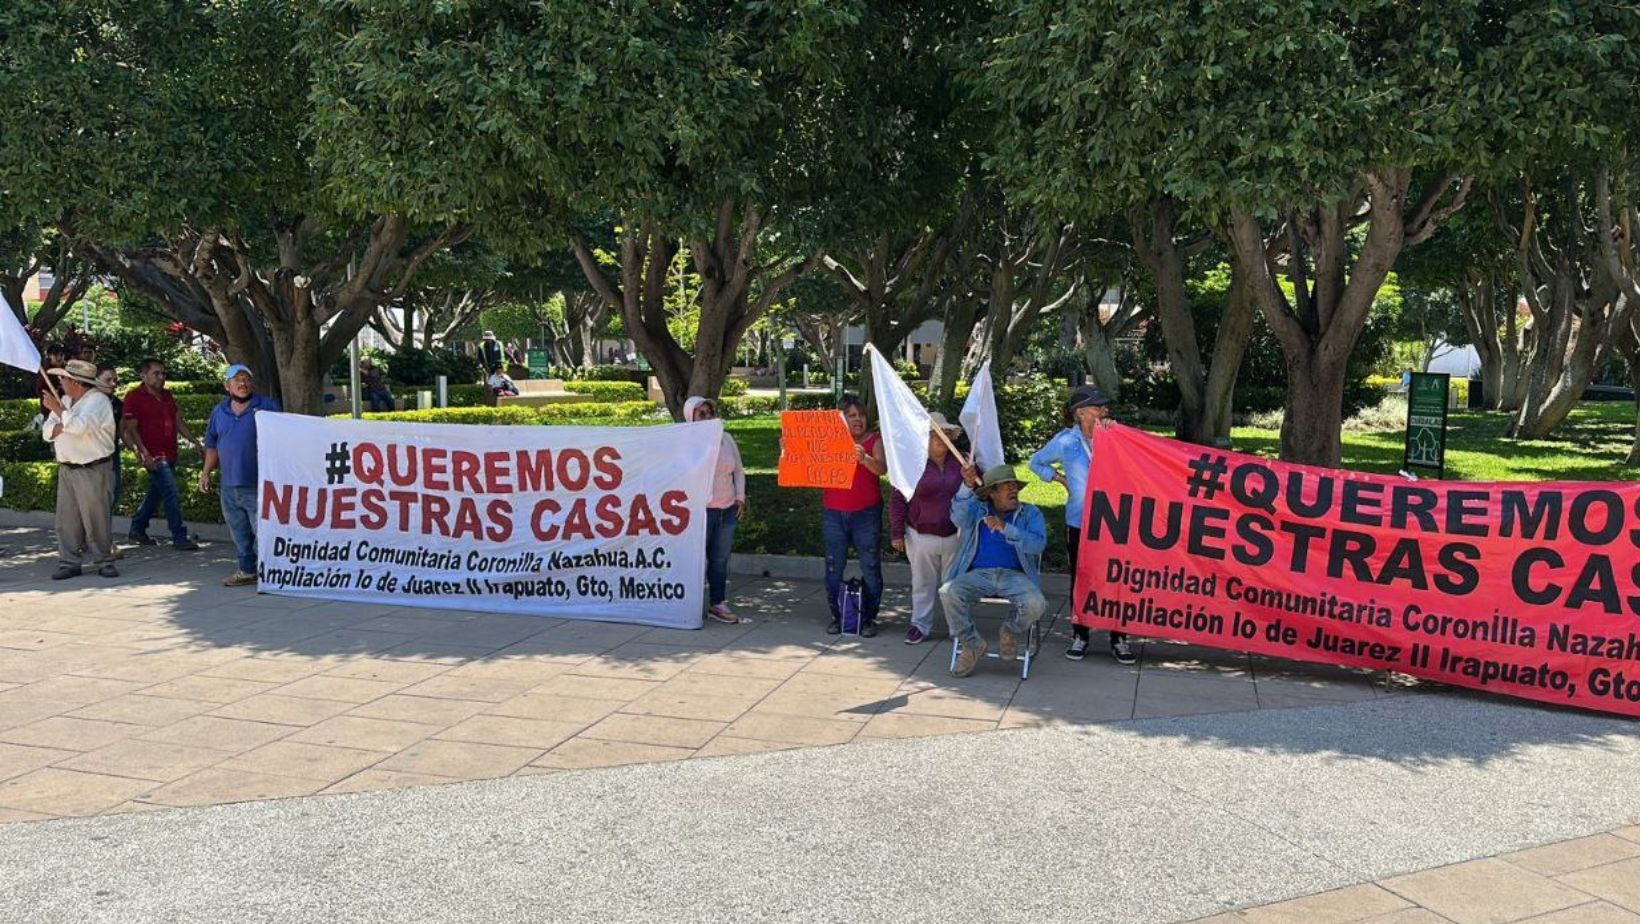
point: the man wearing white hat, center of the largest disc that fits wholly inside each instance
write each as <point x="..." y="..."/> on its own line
<point x="81" y="430"/>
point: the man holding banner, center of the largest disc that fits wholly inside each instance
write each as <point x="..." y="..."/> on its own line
<point x="230" y="440"/>
<point x="1071" y="448"/>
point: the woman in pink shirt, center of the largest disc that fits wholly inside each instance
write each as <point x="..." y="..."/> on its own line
<point x="724" y="510"/>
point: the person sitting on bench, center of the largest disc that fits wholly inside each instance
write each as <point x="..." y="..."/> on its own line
<point x="1001" y="556"/>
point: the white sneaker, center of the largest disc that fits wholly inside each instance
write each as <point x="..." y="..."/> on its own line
<point x="1078" y="649"/>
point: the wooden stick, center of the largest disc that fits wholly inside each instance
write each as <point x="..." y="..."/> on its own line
<point x="51" y="386"/>
<point x="948" y="445"/>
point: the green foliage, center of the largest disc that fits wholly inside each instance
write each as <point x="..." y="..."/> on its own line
<point x="748" y="406"/>
<point x="606" y="391"/>
<point x="605" y="374"/>
<point x="467" y="395"/>
<point x="521" y="415"/>
<point x="23" y="445"/>
<point x="1241" y="104"/>
<point x="15" y="413"/>
<point x="212" y="386"/>
<point x="416" y="367"/>
<point x="1261" y="382"/>
<point x="827" y="112"/>
<point x="733" y="388"/>
<point x="124" y="348"/>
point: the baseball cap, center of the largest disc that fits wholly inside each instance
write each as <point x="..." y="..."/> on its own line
<point x="234" y="370"/>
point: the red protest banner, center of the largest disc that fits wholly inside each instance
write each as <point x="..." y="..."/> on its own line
<point x="815" y="450"/>
<point x="1529" y="590"/>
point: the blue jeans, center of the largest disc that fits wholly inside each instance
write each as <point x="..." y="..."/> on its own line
<point x="379" y="399"/>
<point x="863" y="530"/>
<point x="720" y="541"/>
<point x="162" y="489"/>
<point x="959" y="595"/>
<point x="239" y="510"/>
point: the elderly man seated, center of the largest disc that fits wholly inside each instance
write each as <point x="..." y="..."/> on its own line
<point x="1001" y="556"/>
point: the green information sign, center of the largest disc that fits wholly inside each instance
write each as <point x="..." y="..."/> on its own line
<point x="540" y="366"/>
<point x="1426" y="421"/>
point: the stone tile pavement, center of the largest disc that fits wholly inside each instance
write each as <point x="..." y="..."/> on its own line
<point x="1588" y="880"/>
<point x="162" y="688"/>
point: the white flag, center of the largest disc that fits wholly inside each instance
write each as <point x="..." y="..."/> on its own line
<point x="979" y="418"/>
<point x="904" y="424"/>
<point x="16" y="349"/>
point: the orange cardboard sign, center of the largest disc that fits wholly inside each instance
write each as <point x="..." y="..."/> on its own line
<point x="815" y="450"/>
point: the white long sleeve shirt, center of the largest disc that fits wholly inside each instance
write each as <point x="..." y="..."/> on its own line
<point x="88" y="429"/>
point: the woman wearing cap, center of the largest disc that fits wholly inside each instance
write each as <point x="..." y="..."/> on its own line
<point x="854" y="516"/>
<point x="921" y="528"/>
<point x="1072" y="449"/>
<point x="724" y="511"/>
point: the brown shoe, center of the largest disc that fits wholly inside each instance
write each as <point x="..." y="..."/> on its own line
<point x="967" y="658"/>
<point x="240" y="579"/>
<point x="1007" y="644"/>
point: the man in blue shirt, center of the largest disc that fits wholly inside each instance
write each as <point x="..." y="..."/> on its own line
<point x="1001" y="556"/>
<point x="230" y="441"/>
<point x="1070" y="448"/>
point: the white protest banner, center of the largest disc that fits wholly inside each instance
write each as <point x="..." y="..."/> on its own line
<point x="903" y="422"/>
<point x="979" y="418"/>
<point x="16" y="348"/>
<point x="605" y="523"/>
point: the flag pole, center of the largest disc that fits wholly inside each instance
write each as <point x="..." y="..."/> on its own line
<point x="949" y="445"/>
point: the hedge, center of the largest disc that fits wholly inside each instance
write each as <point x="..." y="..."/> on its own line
<point x="733" y="388"/>
<point x="17" y="413"/>
<point x="606" y="391"/>
<point x="749" y="406"/>
<point x="24" y="445"/>
<point x="606" y="374"/>
<point x="520" y="415"/>
<point x="33" y="486"/>
<point x="1391" y="384"/>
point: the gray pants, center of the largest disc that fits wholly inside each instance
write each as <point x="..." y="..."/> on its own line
<point x="83" y="499"/>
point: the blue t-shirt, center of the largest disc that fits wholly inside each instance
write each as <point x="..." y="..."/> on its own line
<point x="233" y="436"/>
<point x="995" y="551"/>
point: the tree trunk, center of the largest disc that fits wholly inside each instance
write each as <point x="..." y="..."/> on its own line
<point x="959" y="327"/>
<point x="1206" y="387"/>
<point x="1100" y="349"/>
<point x="289" y="321"/>
<point x="1319" y="329"/>
<point x="727" y="264"/>
<point x="1581" y="289"/>
<point x="1312" y="428"/>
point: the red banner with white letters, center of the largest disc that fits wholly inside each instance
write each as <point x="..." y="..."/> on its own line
<point x="1524" y="589"/>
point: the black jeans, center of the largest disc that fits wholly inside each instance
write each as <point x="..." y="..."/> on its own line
<point x="1073" y="544"/>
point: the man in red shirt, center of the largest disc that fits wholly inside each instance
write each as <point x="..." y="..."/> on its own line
<point x="151" y="425"/>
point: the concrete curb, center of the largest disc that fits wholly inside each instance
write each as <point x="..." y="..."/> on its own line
<point x="791" y="567"/>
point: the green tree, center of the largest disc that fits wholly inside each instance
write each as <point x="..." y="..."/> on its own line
<point x="25" y="252"/>
<point x="1281" y="126"/>
<point x="171" y="143"/>
<point x="739" y="128"/>
<point x="1567" y="208"/>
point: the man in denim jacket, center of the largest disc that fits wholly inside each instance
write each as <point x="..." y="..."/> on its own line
<point x="1001" y="556"/>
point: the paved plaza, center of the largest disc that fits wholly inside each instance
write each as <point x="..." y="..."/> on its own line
<point x="267" y="758"/>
